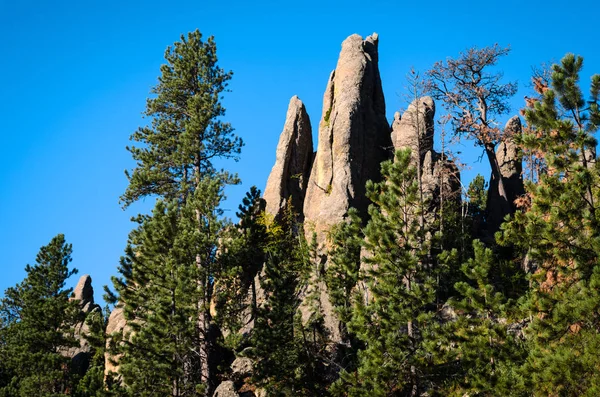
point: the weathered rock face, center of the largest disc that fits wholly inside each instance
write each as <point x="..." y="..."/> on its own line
<point x="116" y="323"/>
<point x="84" y="294"/>
<point x="511" y="166"/>
<point x="414" y="130"/>
<point x="289" y="176"/>
<point x="226" y="389"/>
<point x="440" y="177"/>
<point x="354" y="137"/>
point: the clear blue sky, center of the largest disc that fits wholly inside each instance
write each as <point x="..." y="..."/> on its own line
<point x="76" y="75"/>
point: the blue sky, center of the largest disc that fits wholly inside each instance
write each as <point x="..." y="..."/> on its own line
<point x="76" y="75"/>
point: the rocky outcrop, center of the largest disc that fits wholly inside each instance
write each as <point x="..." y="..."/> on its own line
<point x="510" y="163"/>
<point x="354" y="137"/>
<point x="414" y="130"/>
<point x="289" y="176"/>
<point x="440" y="177"/>
<point x="226" y="389"/>
<point x="84" y="295"/>
<point x="116" y="323"/>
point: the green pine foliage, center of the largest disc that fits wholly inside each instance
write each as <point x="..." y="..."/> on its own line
<point x="286" y="350"/>
<point x="162" y="289"/>
<point x="344" y="264"/>
<point x="37" y="319"/>
<point x="558" y="234"/>
<point x="92" y="383"/>
<point x="175" y="157"/>
<point x="486" y="354"/>
<point x="241" y="259"/>
<point x="394" y="305"/>
<point x="186" y="134"/>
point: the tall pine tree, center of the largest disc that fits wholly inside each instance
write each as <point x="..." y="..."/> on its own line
<point x="558" y="232"/>
<point x="393" y="311"/>
<point x="37" y="320"/>
<point x="175" y="157"/>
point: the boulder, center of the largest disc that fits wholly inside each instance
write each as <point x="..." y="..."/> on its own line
<point x="241" y="368"/>
<point x="293" y="160"/>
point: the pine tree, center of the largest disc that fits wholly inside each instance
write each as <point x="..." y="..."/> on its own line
<point x="241" y="259"/>
<point x="37" y="321"/>
<point x="175" y="161"/>
<point x="186" y="134"/>
<point x="163" y="289"/>
<point x="287" y="351"/>
<point x="558" y="232"/>
<point x="92" y="383"/>
<point x="393" y="314"/>
<point x="474" y="97"/>
<point x="477" y="339"/>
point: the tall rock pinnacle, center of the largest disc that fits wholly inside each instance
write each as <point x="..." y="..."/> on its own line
<point x="354" y="137"/>
<point x="440" y="178"/>
<point x="289" y="176"/>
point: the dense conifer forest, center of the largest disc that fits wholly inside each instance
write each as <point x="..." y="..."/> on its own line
<point x="367" y="268"/>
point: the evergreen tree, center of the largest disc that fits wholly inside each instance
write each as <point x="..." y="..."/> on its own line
<point x="162" y="290"/>
<point x="486" y="355"/>
<point x="175" y="161"/>
<point x="394" y="308"/>
<point x="92" y="383"/>
<point x="186" y="134"/>
<point x="474" y="97"/>
<point x="558" y="232"/>
<point x="37" y="321"/>
<point x="242" y="257"/>
<point x="286" y="350"/>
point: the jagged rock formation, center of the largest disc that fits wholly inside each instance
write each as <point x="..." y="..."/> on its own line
<point x="511" y="167"/>
<point x="289" y="176"/>
<point x="84" y="294"/>
<point x="354" y="136"/>
<point x="440" y="177"/>
<point x="414" y="130"/>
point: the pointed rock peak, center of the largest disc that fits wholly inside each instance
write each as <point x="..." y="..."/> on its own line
<point x="415" y="128"/>
<point x="512" y="127"/>
<point x="84" y="291"/>
<point x="508" y="153"/>
<point x="354" y="136"/>
<point x="293" y="161"/>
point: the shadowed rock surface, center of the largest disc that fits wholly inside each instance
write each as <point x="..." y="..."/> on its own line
<point x="511" y="167"/>
<point x="289" y="176"/>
